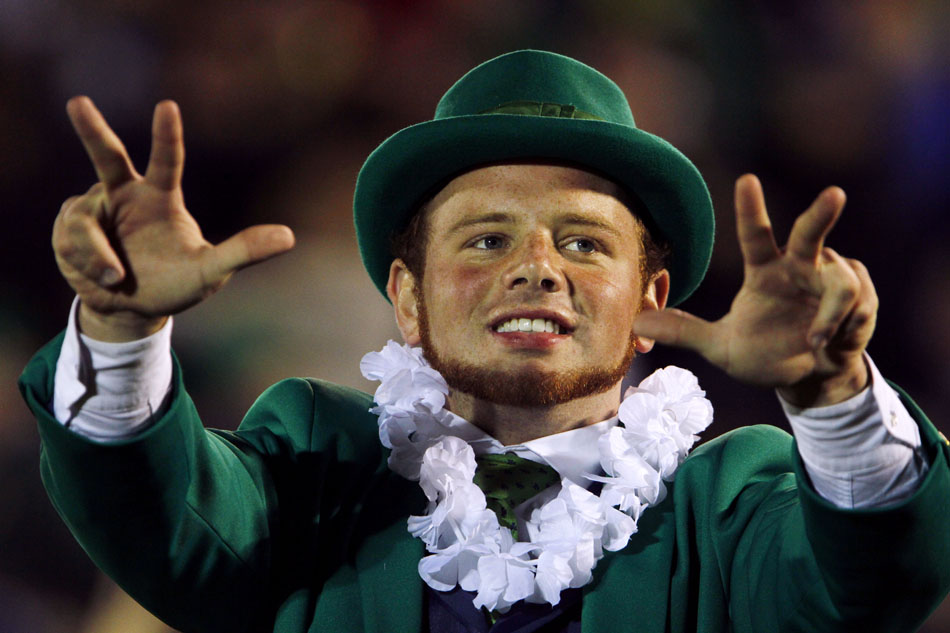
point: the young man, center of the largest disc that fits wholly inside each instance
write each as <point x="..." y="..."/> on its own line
<point x="530" y="239"/>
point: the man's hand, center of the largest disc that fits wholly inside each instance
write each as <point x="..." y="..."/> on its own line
<point x="129" y="247"/>
<point x="804" y="314"/>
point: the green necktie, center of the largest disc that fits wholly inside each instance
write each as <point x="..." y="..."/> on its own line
<point x="508" y="480"/>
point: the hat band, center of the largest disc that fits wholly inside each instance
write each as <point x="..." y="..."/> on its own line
<point x="537" y="108"/>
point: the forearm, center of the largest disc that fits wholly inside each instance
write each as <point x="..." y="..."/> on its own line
<point x="861" y="453"/>
<point x="118" y="327"/>
<point x="817" y="391"/>
<point x="886" y="568"/>
<point x="106" y="391"/>
<point x="171" y="512"/>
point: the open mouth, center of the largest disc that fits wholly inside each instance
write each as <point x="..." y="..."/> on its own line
<point x="525" y="324"/>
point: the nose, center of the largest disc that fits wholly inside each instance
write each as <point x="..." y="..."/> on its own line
<point x="535" y="265"/>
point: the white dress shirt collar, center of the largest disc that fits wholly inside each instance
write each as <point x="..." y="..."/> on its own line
<point x="571" y="453"/>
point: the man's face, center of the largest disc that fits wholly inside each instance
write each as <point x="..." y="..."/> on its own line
<point x="543" y="248"/>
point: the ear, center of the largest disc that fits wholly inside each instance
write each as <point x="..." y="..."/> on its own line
<point x="654" y="298"/>
<point x="401" y="292"/>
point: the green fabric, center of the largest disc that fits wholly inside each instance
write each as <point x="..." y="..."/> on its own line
<point x="508" y="481"/>
<point x="535" y="104"/>
<point x="294" y="523"/>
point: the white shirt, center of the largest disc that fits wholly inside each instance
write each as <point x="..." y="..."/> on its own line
<point x="863" y="452"/>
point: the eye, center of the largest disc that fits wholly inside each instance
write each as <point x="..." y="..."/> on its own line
<point x="581" y="245"/>
<point x="489" y="242"/>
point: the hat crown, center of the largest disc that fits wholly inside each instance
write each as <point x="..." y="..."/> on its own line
<point x="537" y="76"/>
<point x="531" y="105"/>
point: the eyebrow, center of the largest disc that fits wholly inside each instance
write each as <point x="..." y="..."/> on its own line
<point x="501" y="218"/>
<point x="487" y="218"/>
<point x="596" y="223"/>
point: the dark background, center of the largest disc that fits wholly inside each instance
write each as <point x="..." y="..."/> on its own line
<point x="283" y="100"/>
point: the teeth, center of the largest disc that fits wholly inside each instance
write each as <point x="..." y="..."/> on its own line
<point x="528" y="325"/>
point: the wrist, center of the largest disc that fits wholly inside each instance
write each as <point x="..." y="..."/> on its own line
<point x="117" y="327"/>
<point x="821" y="390"/>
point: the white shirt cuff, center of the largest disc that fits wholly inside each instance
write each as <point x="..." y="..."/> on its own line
<point x="107" y="391"/>
<point x="863" y="452"/>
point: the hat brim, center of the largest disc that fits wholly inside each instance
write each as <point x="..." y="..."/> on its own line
<point x="410" y="165"/>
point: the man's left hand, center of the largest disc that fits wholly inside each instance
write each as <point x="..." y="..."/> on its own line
<point x="803" y="317"/>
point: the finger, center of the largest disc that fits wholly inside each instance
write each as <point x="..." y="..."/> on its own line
<point x="752" y="222"/>
<point x="812" y="227"/>
<point x="860" y="323"/>
<point x="81" y="244"/>
<point x="167" y="160"/>
<point x="250" y="246"/>
<point x="674" y="327"/>
<point x="66" y="204"/>
<point x="839" y="294"/>
<point x="106" y="151"/>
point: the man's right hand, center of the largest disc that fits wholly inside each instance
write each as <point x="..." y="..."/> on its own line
<point x="129" y="247"/>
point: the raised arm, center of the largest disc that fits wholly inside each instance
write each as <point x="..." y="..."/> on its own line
<point x="129" y="247"/>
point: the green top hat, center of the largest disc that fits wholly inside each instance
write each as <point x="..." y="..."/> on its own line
<point x="535" y="104"/>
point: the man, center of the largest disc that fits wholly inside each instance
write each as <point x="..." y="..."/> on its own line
<point x="529" y="239"/>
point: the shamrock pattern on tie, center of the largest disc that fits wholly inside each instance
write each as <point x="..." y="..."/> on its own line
<point x="508" y="481"/>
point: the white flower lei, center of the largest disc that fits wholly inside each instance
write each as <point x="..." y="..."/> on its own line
<point x="567" y="535"/>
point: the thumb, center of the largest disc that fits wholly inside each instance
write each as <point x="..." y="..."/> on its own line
<point x="673" y="327"/>
<point x="251" y="246"/>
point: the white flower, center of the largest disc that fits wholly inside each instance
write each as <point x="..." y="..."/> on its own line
<point x="392" y="358"/>
<point x="619" y="456"/>
<point x="618" y="494"/>
<point x="661" y="417"/>
<point x="445" y="569"/>
<point x="410" y="404"/>
<point x="647" y="432"/>
<point x="396" y="428"/>
<point x="659" y="420"/>
<point x="407" y="382"/>
<point x="620" y="527"/>
<point x="460" y="517"/>
<point x="674" y="383"/>
<point x="457" y="507"/>
<point x="590" y="512"/>
<point x="504" y="574"/>
<point x="446" y="460"/>
<point x="586" y="510"/>
<point x="573" y="530"/>
<point x="553" y="528"/>
<point x="552" y="576"/>
<point x="572" y="538"/>
<point x="401" y="433"/>
<point x="686" y="411"/>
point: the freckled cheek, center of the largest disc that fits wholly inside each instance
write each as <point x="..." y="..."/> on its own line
<point x="460" y="291"/>
<point x="468" y="283"/>
<point x="611" y="302"/>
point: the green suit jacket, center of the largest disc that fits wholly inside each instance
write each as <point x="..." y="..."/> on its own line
<point x="294" y="523"/>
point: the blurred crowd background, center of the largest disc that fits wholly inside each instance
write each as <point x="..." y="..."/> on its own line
<point x="283" y="100"/>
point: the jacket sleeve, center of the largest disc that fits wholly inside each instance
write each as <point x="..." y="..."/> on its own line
<point x="784" y="559"/>
<point x="211" y="530"/>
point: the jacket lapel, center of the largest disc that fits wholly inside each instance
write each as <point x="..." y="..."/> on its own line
<point x="390" y="586"/>
<point x="631" y="588"/>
